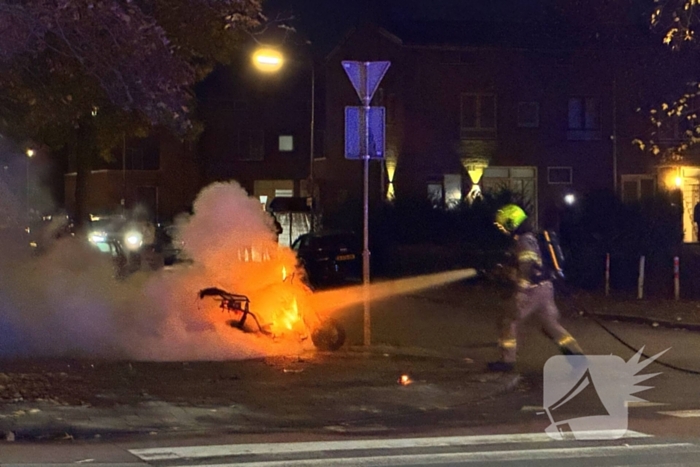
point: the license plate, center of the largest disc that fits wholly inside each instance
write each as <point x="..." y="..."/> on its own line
<point x="345" y="257"/>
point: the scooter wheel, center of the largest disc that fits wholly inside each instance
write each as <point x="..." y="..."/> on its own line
<point x="330" y="335"/>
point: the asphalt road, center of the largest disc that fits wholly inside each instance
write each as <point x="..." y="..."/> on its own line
<point x="515" y="449"/>
<point x="508" y="430"/>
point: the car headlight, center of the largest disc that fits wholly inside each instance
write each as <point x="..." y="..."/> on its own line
<point x="133" y="240"/>
<point x="97" y="237"/>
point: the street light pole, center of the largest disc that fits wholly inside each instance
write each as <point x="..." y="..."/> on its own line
<point x="30" y="154"/>
<point x="123" y="201"/>
<point x="311" y="146"/>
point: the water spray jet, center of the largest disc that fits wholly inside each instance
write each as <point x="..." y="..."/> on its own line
<point x="330" y="300"/>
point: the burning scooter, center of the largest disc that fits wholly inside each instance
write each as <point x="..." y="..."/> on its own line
<point x="326" y="334"/>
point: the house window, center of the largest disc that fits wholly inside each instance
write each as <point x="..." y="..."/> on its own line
<point x="584" y="119"/>
<point x="559" y="175"/>
<point x="286" y="143"/>
<point x="528" y="114"/>
<point x="453" y="189"/>
<point x="249" y="145"/>
<point x="478" y="116"/>
<point x="435" y="193"/>
<point x="636" y="187"/>
<point x="284" y="193"/>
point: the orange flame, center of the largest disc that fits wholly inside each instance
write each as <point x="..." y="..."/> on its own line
<point x="284" y="273"/>
<point x="405" y="380"/>
<point x="287" y="317"/>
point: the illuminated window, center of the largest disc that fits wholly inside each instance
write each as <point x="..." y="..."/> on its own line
<point x="453" y="189"/>
<point x="286" y="143"/>
<point x="435" y="193"/>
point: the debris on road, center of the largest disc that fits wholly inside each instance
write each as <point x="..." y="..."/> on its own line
<point x="405" y="380"/>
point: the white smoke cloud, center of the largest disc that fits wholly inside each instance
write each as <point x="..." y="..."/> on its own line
<point x="67" y="301"/>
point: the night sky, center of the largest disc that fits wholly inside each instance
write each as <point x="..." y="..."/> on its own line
<point x="325" y="22"/>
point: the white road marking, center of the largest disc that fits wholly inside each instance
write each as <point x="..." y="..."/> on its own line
<point x="629" y="404"/>
<point x="682" y="413"/>
<point x="130" y="464"/>
<point x="531" y="408"/>
<point x="200" y="452"/>
<point x="464" y="457"/>
<point x="633" y="404"/>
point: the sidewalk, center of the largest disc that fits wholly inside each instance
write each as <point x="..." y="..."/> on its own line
<point x="351" y="390"/>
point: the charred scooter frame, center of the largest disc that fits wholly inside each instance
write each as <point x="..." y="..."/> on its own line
<point x="327" y="335"/>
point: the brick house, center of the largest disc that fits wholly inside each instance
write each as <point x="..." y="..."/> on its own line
<point x="159" y="173"/>
<point x="258" y="126"/>
<point x="544" y="115"/>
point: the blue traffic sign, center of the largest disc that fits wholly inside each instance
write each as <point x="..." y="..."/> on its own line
<point x="365" y="77"/>
<point x="356" y="145"/>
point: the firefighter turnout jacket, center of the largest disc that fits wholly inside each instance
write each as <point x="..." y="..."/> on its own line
<point x="530" y="270"/>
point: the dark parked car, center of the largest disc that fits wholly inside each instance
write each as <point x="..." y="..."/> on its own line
<point x="329" y="257"/>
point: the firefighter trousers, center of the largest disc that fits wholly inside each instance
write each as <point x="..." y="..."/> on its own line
<point x="538" y="301"/>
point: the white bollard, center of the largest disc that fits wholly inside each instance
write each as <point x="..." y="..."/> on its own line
<point x="640" y="282"/>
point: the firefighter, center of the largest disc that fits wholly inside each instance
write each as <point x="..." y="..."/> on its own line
<point x="534" y="293"/>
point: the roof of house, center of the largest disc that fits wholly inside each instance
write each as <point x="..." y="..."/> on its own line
<point x="514" y="34"/>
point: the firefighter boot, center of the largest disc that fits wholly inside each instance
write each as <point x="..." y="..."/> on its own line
<point x="568" y="346"/>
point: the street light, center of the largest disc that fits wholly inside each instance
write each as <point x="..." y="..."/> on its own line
<point x="268" y="60"/>
<point x="271" y="61"/>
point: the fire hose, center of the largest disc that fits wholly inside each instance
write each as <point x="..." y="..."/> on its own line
<point x="597" y="321"/>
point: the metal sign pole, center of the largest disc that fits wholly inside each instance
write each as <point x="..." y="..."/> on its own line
<point x="365" y="256"/>
<point x="367" y="334"/>
<point x="365" y="78"/>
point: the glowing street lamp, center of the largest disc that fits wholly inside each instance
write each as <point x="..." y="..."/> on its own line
<point x="268" y="60"/>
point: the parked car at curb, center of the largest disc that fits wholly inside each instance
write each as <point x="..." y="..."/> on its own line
<point x="330" y="257"/>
